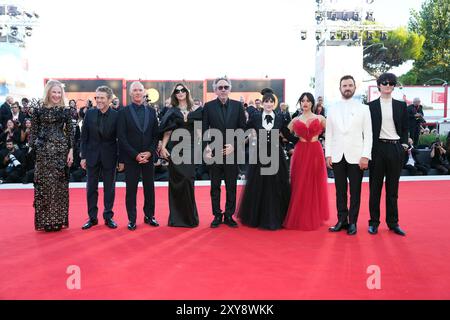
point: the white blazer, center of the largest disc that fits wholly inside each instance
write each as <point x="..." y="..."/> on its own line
<point x="351" y="136"/>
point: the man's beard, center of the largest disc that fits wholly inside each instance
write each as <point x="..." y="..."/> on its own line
<point x="347" y="94"/>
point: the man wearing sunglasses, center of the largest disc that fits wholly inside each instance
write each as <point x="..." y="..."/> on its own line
<point x="223" y="114"/>
<point x="390" y="139"/>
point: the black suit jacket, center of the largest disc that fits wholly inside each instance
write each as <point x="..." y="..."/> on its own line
<point x="399" y="114"/>
<point x="132" y="138"/>
<point x="412" y="121"/>
<point x="5" y="114"/>
<point x="99" y="148"/>
<point x="213" y="116"/>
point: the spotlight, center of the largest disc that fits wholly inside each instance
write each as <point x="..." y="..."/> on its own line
<point x="355" y="35"/>
<point x="303" y="34"/>
<point x="369" y="35"/>
<point x="319" y="2"/>
<point x="369" y="1"/>
<point x="1" y="31"/>
<point x="333" y="15"/>
<point x="14" y="31"/>
<point x="346" y="16"/>
<point x="356" y="16"/>
<point x="332" y="35"/>
<point x="319" y="16"/>
<point x="318" y="35"/>
<point x="383" y="36"/>
<point x="28" y="31"/>
<point x="369" y="16"/>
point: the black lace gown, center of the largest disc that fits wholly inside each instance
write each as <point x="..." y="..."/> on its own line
<point x="182" y="205"/>
<point x="52" y="135"/>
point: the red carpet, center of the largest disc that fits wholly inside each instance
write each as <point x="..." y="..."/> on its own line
<point x="225" y="263"/>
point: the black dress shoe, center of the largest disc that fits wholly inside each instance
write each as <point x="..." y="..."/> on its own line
<point x="398" y="231"/>
<point x="217" y="221"/>
<point x="230" y="222"/>
<point x="338" y="227"/>
<point x="351" y="229"/>
<point x="131" y="226"/>
<point x="151" y="221"/>
<point x="373" y="229"/>
<point x="110" y="223"/>
<point x="90" y="223"/>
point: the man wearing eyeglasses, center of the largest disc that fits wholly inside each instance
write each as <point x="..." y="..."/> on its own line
<point x="390" y="139"/>
<point x="223" y="114"/>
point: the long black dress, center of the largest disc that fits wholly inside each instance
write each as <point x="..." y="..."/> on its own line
<point x="265" y="199"/>
<point x="52" y="135"/>
<point x="182" y="206"/>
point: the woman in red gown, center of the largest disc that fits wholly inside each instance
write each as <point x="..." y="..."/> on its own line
<point x="308" y="207"/>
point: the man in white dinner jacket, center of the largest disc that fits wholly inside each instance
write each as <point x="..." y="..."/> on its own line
<point x="348" y="145"/>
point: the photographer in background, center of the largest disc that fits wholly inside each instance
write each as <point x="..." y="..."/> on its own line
<point x="116" y="104"/>
<point x="17" y="115"/>
<point x="11" y="163"/>
<point x="411" y="163"/>
<point x="438" y="157"/>
<point x="10" y="132"/>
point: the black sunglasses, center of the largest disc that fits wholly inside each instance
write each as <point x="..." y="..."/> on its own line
<point x="177" y="91"/>
<point x="220" y="88"/>
<point x="389" y="83"/>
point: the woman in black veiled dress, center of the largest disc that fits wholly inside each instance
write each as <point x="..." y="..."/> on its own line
<point x="52" y="139"/>
<point x="182" y="206"/>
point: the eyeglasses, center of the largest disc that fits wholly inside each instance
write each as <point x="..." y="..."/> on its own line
<point x="389" y="83"/>
<point x="220" y="88"/>
<point x="177" y="91"/>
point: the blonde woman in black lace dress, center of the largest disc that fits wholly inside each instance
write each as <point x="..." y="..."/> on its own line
<point x="52" y="135"/>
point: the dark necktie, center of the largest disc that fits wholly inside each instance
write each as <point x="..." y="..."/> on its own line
<point x="268" y="118"/>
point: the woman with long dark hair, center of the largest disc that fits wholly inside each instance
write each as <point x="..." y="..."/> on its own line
<point x="308" y="208"/>
<point x="182" y="206"/>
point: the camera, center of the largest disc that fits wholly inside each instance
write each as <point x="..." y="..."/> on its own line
<point x="13" y="161"/>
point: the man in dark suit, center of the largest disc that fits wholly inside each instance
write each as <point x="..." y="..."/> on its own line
<point x="5" y="111"/>
<point x="99" y="152"/>
<point x="138" y="138"/>
<point x="223" y="114"/>
<point x="415" y="119"/>
<point x="390" y="140"/>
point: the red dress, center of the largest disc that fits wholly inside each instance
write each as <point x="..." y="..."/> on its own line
<point x="308" y="207"/>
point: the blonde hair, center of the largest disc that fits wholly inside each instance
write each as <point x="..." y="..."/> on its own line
<point x="50" y="84"/>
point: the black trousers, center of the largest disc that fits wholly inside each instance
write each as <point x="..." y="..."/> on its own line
<point x="109" y="190"/>
<point x="132" y="174"/>
<point x="416" y="167"/>
<point x="387" y="160"/>
<point x="342" y="171"/>
<point x="229" y="173"/>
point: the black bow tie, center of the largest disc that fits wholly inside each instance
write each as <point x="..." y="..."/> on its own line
<point x="268" y="118"/>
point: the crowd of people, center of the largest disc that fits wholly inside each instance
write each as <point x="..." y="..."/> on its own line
<point x="50" y="144"/>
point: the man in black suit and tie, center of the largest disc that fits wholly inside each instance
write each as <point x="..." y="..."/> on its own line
<point x="390" y="140"/>
<point x="223" y="114"/>
<point x="99" y="153"/>
<point x="138" y="138"/>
